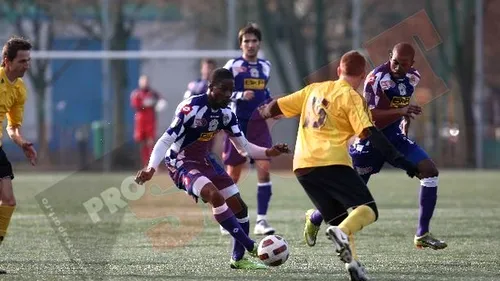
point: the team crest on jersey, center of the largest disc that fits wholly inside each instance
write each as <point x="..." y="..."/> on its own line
<point x="212" y="126"/>
<point x="254" y="72"/>
<point x="199" y="123"/>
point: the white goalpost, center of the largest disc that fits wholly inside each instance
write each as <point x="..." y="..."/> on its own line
<point x="140" y="54"/>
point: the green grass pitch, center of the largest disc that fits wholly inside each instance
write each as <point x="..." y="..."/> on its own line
<point x="165" y="236"/>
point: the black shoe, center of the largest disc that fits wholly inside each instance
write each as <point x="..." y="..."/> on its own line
<point x="3" y="271"/>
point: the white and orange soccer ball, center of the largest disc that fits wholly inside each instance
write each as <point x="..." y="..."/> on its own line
<point x="273" y="250"/>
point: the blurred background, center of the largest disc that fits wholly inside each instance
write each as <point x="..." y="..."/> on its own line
<point x="79" y="96"/>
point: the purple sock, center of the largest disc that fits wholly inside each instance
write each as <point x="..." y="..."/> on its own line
<point x="428" y="198"/>
<point x="226" y="218"/>
<point x="264" y="193"/>
<point x="316" y="218"/>
<point x="238" y="248"/>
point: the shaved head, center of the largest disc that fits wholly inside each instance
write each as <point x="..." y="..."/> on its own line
<point x="404" y="49"/>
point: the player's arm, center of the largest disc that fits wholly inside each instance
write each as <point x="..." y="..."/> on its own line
<point x="373" y="93"/>
<point x="246" y="148"/>
<point x="360" y="120"/>
<point x="289" y="106"/>
<point x="15" y="121"/>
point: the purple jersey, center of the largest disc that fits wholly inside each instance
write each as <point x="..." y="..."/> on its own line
<point x="383" y="91"/>
<point x="252" y="76"/>
<point x="196" y="87"/>
<point x="194" y="125"/>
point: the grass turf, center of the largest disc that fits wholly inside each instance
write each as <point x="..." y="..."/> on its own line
<point x="164" y="235"/>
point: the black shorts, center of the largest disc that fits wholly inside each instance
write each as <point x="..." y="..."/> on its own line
<point x="5" y="166"/>
<point x="334" y="189"/>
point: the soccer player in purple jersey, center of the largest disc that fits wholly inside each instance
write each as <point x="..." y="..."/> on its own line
<point x="251" y="76"/>
<point x="200" y="86"/>
<point x="184" y="148"/>
<point x="388" y="90"/>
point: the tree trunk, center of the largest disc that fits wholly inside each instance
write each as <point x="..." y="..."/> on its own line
<point x="268" y="29"/>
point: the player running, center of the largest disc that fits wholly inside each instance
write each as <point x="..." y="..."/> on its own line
<point x="388" y="90"/>
<point x="184" y="147"/>
<point x="251" y="76"/>
<point x="331" y="113"/>
<point x="15" y="62"/>
<point x="200" y="86"/>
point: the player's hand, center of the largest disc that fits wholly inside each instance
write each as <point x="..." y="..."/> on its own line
<point x="411" y="110"/>
<point x="248" y="95"/>
<point x="277" y="150"/>
<point x="410" y="168"/>
<point x="29" y="152"/>
<point x="144" y="175"/>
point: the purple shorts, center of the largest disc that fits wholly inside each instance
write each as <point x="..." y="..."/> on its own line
<point x="256" y="131"/>
<point x="192" y="175"/>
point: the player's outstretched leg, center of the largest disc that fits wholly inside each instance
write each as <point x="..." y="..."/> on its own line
<point x="225" y="216"/>
<point x="240" y="209"/>
<point x="264" y="193"/>
<point x="428" y="198"/>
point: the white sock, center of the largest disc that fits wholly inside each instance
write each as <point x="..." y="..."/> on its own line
<point x="261" y="217"/>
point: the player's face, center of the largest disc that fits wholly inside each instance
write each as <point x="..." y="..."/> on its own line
<point x="20" y="64"/>
<point x="221" y="93"/>
<point x="143" y="82"/>
<point x="400" y="65"/>
<point x="206" y="69"/>
<point x="250" y="45"/>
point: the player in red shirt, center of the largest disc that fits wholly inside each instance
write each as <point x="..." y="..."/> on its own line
<point x="144" y="101"/>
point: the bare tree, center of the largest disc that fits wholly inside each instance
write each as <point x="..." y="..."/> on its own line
<point x="35" y="20"/>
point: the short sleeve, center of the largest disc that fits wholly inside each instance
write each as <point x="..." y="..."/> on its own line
<point x="230" y="122"/>
<point x="372" y="90"/>
<point x="16" y="112"/>
<point x="291" y="105"/>
<point x="357" y="112"/>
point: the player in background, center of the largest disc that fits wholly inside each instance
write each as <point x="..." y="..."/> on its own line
<point x="200" y="86"/>
<point x="331" y="113"/>
<point x="251" y="76"/>
<point x="144" y="100"/>
<point x="184" y="147"/>
<point x="388" y="90"/>
<point x="15" y="62"/>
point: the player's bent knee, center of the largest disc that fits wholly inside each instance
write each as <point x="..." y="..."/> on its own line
<point x="205" y="189"/>
<point x="373" y="206"/>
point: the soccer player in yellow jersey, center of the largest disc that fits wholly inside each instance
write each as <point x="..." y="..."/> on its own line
<point x="331" y="113"/>
<point x="15" y="62"/>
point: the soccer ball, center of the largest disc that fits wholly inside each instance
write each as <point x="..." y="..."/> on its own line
<point x="273" y="250"/>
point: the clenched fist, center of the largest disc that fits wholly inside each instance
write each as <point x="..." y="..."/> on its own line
<point x="277" y="150"/>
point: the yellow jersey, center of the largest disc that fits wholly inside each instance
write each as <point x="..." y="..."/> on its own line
<point x="12" y="100"/>
<point x="331" y="113"/>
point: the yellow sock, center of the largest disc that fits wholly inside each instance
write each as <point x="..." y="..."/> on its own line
<point x="5" y="215"/>
<point x="357" y="219"/>
<point x="353" y="247"/>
